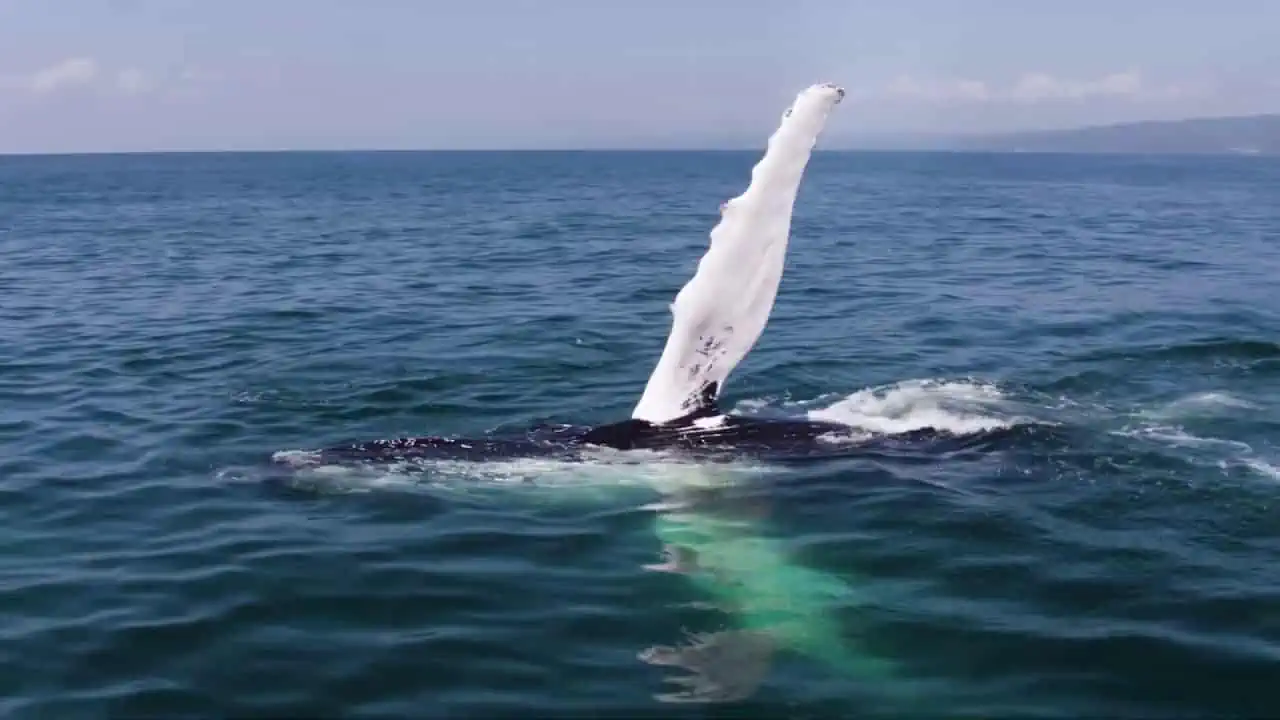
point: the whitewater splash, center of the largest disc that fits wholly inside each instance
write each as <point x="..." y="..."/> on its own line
<point x="721" y="312"/>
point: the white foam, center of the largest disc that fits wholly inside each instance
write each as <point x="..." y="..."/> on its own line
<point x="952" y="406"/>
<point x="296" y="458"/>
<point x="1203" y="403"/>
<point x="595" y="469"/>
<point x="1179" y="437"/>
<point x="1263" y="468"/>
<point x="721" y="312"/>
<point x="1220" y="452"/>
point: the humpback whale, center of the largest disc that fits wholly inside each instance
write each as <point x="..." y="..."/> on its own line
<point x="717" y="317"/>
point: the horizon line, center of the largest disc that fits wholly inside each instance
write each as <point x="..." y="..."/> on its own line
<point x="879" y="141"/>
<point x="495" y="149"/>
<point x="907" y="141"/>
<point x="881" y="150"/>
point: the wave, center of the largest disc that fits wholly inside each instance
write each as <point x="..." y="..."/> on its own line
<point x="1210" y="348"/>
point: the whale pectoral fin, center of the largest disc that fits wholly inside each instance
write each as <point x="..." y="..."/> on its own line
<point x="720" y="313"/>
<point x="724" y="666"/>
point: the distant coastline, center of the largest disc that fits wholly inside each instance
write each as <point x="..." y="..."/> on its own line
<point x="1235" y="135"/>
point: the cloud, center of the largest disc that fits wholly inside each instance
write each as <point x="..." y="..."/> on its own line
<point x="70" y="73"/>
<point x="86" y="74"/>
<point x="1030" y="88"/>
<point x="132" y="81"/>
<point x="1039" y="87"/>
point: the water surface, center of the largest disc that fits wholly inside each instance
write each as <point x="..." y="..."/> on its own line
<point x="168" y="322"/>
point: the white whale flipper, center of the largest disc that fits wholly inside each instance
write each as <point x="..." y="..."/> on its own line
<point x="719" y="314"/>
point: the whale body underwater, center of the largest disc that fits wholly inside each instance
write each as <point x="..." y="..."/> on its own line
<point x="717" y="317"/>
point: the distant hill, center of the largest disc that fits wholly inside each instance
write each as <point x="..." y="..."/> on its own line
<point x="1250" y="135"/>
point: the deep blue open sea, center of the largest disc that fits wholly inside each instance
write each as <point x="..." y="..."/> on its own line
<point x="1106" y="329"/>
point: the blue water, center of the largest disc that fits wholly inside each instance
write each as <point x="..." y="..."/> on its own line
<point x="1106" y="329"/>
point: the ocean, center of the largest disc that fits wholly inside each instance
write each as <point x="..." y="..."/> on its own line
<point x="1104" y="329"/>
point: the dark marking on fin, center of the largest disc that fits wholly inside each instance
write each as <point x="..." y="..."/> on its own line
<point x="703" y="405"/>
<point x="707" y="399"/>
<point x="628" y="433"/>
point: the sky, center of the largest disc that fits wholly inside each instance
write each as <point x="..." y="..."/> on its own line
<point x="130" y="75"/>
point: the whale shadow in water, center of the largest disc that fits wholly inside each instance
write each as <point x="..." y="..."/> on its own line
<point x="715" y="537"/>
